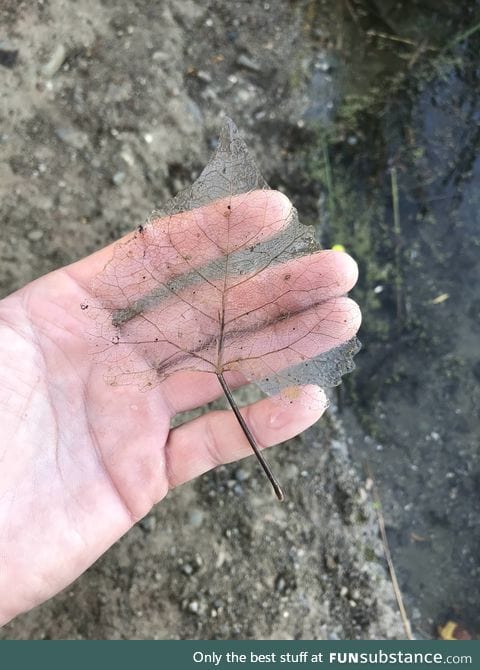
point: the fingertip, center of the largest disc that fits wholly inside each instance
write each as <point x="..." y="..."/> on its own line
<point x="299" y="407"/>
<point x="345" y="266"/>
<point x="354" y="320"/>
<point x="314" y="399"/>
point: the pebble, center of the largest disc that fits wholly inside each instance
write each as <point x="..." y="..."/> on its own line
<point x="196" y="517"/>
<point x="55" y="62"/>
<point x="330" y="562"/>
<point x="127" y="155"/>
<point x="323" y="65"/>
<point x="187" y="569"/>
<point x="204" y="76"/>
<point x="74" y="138"/>
<point x="148" y="524"/>
<point x="193" y="606"/>
<point x="241" y="474"/>
<point x="35" y="235"/>
<point x="118" y="178"/>
<point x="246" y="62"/>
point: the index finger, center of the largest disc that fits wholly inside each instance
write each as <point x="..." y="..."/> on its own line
<point x="183" y="242"/>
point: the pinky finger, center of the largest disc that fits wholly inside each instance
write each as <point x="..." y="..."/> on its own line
<point x="217" y="438"/>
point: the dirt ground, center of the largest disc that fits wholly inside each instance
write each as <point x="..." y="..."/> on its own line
<point x="107" y="109"/>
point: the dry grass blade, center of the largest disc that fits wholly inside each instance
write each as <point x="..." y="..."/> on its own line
<point x="388" y="557"/>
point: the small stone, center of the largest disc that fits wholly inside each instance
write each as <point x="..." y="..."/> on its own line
<point x="193" y="607"/>
<point x="118" y="178"/>
<point x="244" y="61"/>
<point x="74" y="138"/>
<point x="196" y="517"/>
<point x="187" y="569"/>
<point x="35" y="235"/>
<point x="55" y="61"/>
<point x="241" y="474"/>
<point x="160" y="56"/>
<point x="148" y="524"/>
<point x="204" y="76"/>
<point x="127" y="155"/>
<point x="322" y="65"/>
<point x="330" y="562"/>
<point x="243" y="95"/>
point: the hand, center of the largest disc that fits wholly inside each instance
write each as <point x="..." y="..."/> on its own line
<point x="81" y="461"/>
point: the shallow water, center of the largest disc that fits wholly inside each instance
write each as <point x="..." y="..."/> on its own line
<point x="399" y="161"/>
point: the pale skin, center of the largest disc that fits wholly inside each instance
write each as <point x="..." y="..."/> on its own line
<point x="82" y="461"/>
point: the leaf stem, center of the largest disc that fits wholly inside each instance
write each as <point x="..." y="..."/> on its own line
<point x="251" y="440"/>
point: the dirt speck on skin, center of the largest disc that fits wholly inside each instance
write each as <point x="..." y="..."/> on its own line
<point x="111" y="108"/>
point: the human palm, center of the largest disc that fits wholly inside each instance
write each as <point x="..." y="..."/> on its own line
<point x="81" y="461"/>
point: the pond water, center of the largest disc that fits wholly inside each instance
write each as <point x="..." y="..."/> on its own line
<point x="398" y="159"/>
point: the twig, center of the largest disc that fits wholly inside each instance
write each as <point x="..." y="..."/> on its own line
<point x="422" y="46"/>
<point x="388" y="557"/>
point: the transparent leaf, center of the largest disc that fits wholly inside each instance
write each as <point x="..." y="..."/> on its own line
<point x="213" y="282"/>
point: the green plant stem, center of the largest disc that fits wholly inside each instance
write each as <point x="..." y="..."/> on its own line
<point x="463" y="36"/>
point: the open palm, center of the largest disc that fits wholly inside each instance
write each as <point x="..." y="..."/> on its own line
<point x="81" y="461"/>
